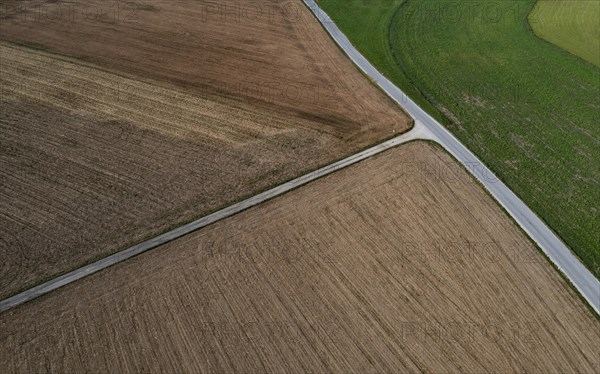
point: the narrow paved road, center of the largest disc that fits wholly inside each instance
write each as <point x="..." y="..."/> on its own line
<point x="552" y="246"/>
<point x="425" y="128"/>
<point x="417" y="132"/>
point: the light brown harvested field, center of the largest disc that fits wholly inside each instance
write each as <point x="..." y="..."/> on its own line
<point x="94" y="160"/>
<point x="274" y="52"/>
<point x="364" y="271"/>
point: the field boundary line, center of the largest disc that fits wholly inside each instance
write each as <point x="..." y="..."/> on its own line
<point x="547" y="240"/>
<point x="418" y="132"/>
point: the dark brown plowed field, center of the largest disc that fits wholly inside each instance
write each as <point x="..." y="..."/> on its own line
<point x="273" y="52"/>
<point x="134" y="127"/>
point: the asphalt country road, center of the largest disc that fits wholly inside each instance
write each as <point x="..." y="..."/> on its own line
<point x="551" y="245"/>
<point x="416" y="133"/>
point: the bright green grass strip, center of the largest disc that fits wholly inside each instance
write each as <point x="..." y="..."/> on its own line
<point x="573" y="25"/>
<point x="529" y="110"/>
<point x="367" y="25"/>
<point x="370" y="20"/>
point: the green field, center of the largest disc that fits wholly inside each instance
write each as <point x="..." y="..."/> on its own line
<point x="573" y="25"/>
<point x="529" y="110"/>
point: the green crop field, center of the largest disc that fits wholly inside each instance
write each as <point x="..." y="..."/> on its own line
<point x="529" y="110"/>
<point x="573" y="25"/>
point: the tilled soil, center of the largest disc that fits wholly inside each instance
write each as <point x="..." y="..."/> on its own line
<point x="274" y="53"/>
<point x="400" y="263"/>
<point x="118" y="126"/>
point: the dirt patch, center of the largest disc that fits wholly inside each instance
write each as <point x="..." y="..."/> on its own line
<point x="474" y="101"/>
